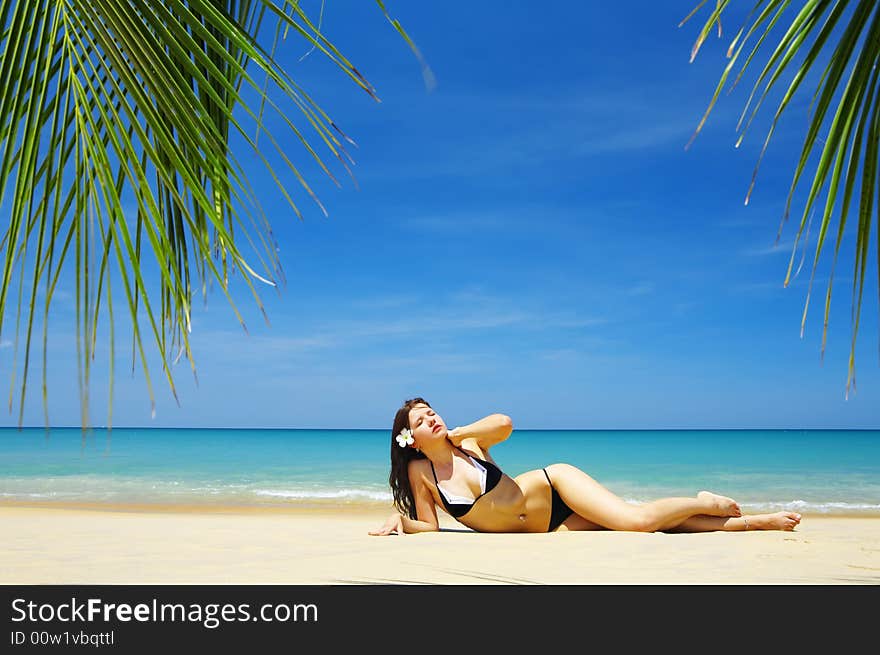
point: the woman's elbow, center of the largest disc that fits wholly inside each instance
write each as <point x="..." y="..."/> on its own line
<point x="504" y="429"/>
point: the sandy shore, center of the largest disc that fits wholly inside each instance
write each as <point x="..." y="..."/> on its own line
<point x="130" y="545"/>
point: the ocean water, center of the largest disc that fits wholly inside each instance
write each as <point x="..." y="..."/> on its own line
<point x="811" y="471"/>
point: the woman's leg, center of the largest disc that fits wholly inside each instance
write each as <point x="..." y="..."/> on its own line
<point x="777" y="521"/>
<point x="595" y="503"/>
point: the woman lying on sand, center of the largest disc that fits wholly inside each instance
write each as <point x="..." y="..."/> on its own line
<point x="424" y="454"/>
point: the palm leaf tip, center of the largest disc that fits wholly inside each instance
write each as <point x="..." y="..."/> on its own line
<point x="105" y="101"/>
<point x="845" y="36"/>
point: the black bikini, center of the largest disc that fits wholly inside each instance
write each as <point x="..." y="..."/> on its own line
<point x="559" y="511"/>
<point x="490" y="477"/>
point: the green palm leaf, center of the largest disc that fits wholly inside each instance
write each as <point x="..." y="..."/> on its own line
<point x="845" y="34"/>
<point x="108" y="103"/>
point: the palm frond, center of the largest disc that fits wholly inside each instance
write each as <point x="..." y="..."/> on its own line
<point x="106" y="100"/>
<point x="844" y="125"/>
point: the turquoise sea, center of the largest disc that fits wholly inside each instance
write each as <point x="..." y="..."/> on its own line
<point x="811" y="471"/>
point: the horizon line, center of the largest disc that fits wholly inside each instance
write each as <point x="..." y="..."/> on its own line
<point x="148" y="427"/>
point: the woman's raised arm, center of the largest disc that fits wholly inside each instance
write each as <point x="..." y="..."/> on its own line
<point x="488" y="431"/>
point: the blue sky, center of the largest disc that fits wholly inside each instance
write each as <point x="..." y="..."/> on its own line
<point x="529" y="236"/>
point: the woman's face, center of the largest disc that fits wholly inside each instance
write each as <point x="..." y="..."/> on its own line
<point x="425" y="425"/>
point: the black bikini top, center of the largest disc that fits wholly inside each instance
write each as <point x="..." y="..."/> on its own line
<point x="458" y="506"/>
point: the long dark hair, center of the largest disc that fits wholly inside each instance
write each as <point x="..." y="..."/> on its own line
<point x="400" y="459"/>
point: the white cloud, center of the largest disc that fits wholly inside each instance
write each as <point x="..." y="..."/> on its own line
<point x="773" y="249"/>
<point x="558" y="128"/>
<point x="557" y="355"/>
<point x="384" y="302"/>
<point x="344" y="332"/>
<point x="641" y="288"/>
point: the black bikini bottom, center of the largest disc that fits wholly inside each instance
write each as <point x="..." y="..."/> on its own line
<point x="559" y="511"/>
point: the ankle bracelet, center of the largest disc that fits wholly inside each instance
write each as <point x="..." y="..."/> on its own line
<point x="746" y="521"/>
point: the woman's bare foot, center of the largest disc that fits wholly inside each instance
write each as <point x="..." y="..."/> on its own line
<point x="719" y="505"/>
<point x="778" y="521"/>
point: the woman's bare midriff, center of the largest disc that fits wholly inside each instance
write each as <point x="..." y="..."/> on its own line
<point x="520" y="504"/>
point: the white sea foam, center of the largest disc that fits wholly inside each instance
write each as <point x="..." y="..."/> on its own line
<point x="822" y="508"/>
<point x="94" y="488"/>
<point x="804" y="506"/>
<point x="28" y="495"/>
<point x="314" y="494"/>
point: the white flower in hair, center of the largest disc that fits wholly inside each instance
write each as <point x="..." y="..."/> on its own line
<point x="405" y="438"/>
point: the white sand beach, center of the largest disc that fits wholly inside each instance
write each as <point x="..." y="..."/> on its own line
<point x="197" y="545"/>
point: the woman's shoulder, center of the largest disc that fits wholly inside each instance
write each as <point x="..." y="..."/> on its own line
<point x="419" y="468"/>
<point x="472" y="447"/>
<point x="421" y="476"/>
